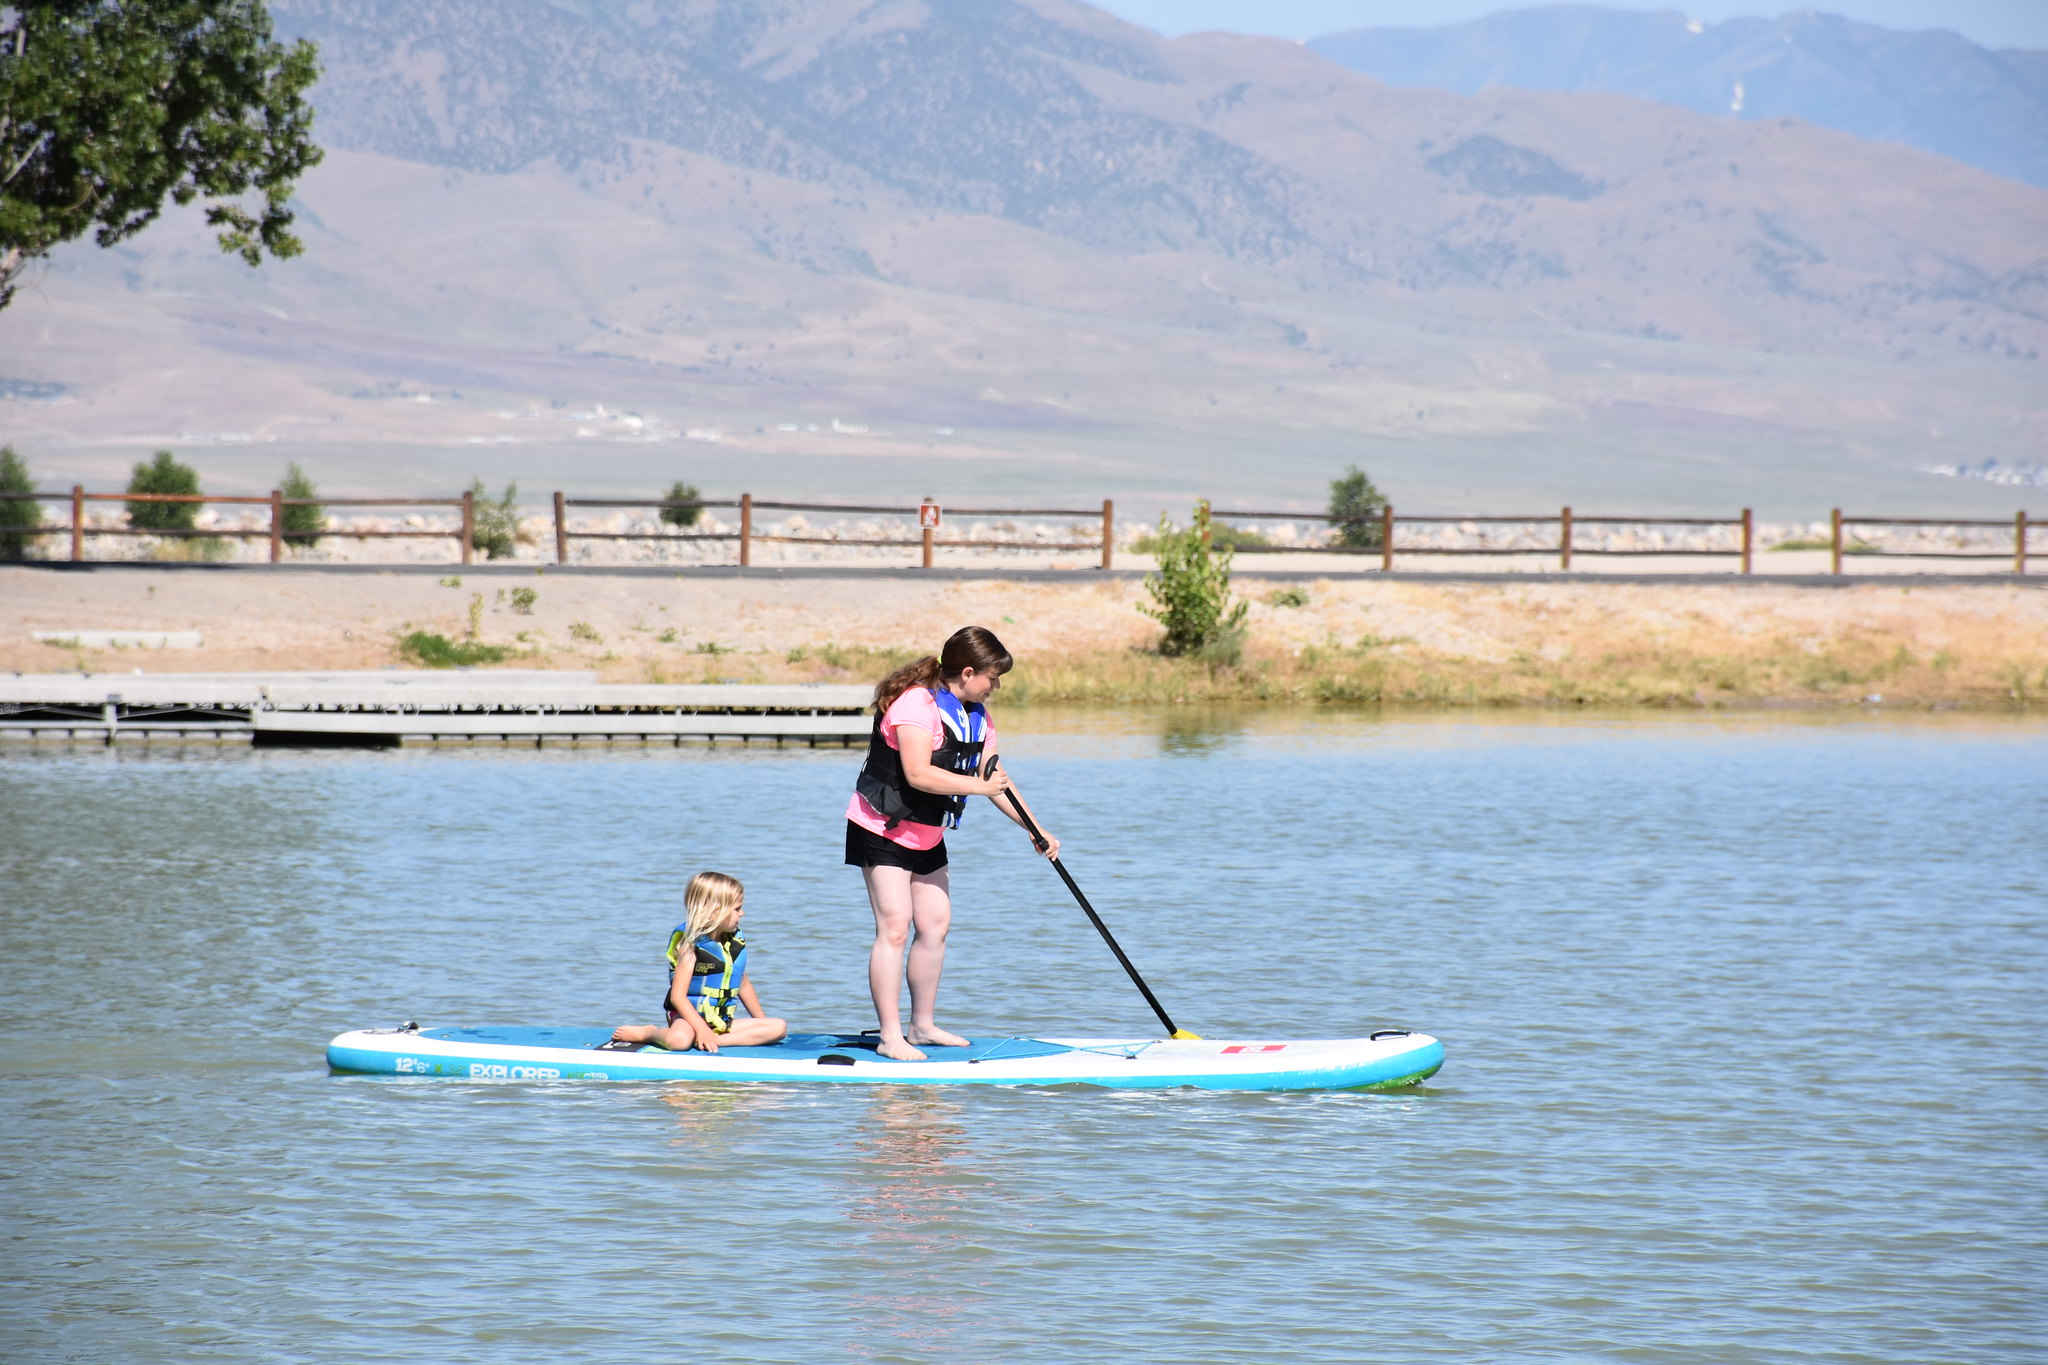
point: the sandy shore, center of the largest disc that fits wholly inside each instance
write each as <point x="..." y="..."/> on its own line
<point x="1353" y="640"/>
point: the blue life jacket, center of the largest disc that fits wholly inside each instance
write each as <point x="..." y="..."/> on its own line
<point x="881" y="782"/>
<point x="717" y="970"/>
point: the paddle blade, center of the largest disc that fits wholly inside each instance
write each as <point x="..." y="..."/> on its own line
<point x="1181" y="1035"/>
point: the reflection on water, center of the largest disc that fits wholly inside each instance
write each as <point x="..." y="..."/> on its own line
<point x="1196" y="730"/>
<point x="912" y="1192"/>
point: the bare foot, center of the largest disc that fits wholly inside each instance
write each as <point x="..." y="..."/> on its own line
<point x="897" y="1050"/>
<point x="634" y="1033"/>
<point x="934" y="1036"/>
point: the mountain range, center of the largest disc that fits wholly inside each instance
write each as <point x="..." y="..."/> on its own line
<point x="1934" y="89"/>
<point x="1043" y="250"/>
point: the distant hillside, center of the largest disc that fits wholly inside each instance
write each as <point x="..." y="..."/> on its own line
<point x="1057" y="118"/>
<point x="1934" y="90"/>
<point x="1026" y="241"/>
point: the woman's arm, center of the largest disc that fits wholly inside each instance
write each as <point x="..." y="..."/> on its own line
<point x="914" y="743"/>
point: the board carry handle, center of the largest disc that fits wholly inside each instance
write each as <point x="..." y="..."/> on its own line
<point x="1039" y="841"/>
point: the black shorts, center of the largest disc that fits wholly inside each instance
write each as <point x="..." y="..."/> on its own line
<point x="865" y="848"/>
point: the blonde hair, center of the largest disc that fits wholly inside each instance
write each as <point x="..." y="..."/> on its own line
<point x="708" y="901"/>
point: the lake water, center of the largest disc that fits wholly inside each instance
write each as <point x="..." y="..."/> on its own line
<point x="1745" y="1023"/>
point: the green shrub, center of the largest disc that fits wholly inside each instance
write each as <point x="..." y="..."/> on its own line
<point x="583" y="630"/>
<point x="1221" y="537"/>
<point x="431" y="650"/>
<point x="163" y="475"/>
<point x="302" y="525"/>
<point x="495" y="529"/>
<point x="1850" y="547"/>
<point x="681" y="516"/>
<point x="1192" y="590"/>
<point x="23" y="512"/>
<point x="1287" y="597"/>
<point x="1355" y="510"/>
<point x="523" y="600"/>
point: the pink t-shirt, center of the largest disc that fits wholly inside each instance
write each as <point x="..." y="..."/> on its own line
<point x="915" y="707"/>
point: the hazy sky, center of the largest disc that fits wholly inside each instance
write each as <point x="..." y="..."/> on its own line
<point x="1994" y="23"/>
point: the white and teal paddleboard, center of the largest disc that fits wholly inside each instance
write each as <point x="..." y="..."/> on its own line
<point x="1387" y="1059"/>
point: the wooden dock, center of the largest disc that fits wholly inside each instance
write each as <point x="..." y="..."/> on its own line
<point x="392" y="707"/>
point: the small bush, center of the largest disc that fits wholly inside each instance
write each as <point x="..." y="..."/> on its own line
<point x="1355" y="510"/>
<point x="453" y="580"/>
<point x="1221" y="537"/>
<point x="495" y="530"/>
<point x="1287" y="597"/>
<point x="163" y="475"/>
<point x="523" y="600"/>
<point x="681" y="516"/>
<point x="711" y="647"/>
<point x="431" y="650"/>
<point x="302" y="525"/>
<point x="1192" y="590"/>
<point x="583" y="630"/>
<point x="1853" y="547"/>
<point x="25" y="513"/>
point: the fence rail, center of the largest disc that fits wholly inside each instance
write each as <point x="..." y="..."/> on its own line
<point x="1383" y="539"/>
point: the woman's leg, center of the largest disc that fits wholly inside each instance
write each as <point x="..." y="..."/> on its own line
<point x="931" y="913"/>
<point x="889" y="893"/>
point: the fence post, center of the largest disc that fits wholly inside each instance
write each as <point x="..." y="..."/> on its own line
<point x="1835" y="542"/>
<point x="1748" y="539"/>
<point x="1386" y="537"/>
<point x="746" y="529"/>
<point x="561" y="532"/>
<point x="276" y="524"/>
<point x="1564" y="539"/>
<point x="2019" y="542"/>
<point x="77" y="523"/>
<point x="468" y="523"/>
<point x="927" y="535"/>
<point x="1108" y="530"/>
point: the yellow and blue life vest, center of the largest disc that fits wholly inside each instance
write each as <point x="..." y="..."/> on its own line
<point x="717" y="969"/>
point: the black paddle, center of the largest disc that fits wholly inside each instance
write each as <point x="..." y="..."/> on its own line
<point x="1039" y="839"/>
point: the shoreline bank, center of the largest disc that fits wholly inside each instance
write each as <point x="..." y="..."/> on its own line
<point x="1311" y="639"/>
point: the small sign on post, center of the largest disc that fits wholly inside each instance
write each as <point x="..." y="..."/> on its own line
<point x="928" y="521"/>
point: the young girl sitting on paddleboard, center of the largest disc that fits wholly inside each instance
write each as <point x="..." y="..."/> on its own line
<point x="707" y="961"/>
<point x="924" y="758"/>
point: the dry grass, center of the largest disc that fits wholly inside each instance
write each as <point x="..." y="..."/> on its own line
<point x="1334" y="642"/>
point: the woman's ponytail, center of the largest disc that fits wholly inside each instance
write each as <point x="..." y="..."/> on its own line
<point x="968" y="647"/>
<point x="923" y="673"/>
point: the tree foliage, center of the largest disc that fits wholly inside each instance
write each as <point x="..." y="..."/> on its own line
<point x="26" y="513"/>
<point x="1192" y="590"/>
<point x="163" y="475"/>
<point x="302" y="525"/>
<point x="681" y="516"/>
<point x="1355" y="507"/>
<point x="110" y="107"/>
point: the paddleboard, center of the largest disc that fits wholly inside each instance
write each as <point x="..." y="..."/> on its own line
<point x="1387" y="1059"/>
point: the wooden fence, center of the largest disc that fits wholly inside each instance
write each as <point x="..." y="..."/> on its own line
<point x="1385" y="525"/>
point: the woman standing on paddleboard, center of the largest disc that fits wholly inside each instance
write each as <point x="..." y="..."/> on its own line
<point x="924" y="760"/>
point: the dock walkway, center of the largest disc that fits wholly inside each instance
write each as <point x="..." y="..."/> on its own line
<point x="396" y="706"/>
